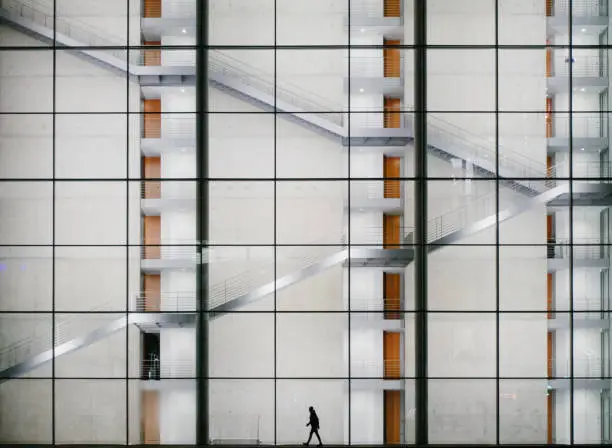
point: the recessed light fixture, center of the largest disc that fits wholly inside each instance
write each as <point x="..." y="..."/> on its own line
<point x="583" y="89"/>
<point x="581" y="149"/>
<point x="184" y="31"/>
<point x="361" y="90"/>
<point x="583" y="30"/>
<point x="362" y="30"/>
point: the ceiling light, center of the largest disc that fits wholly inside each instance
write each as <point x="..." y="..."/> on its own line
<point x="362" y="30"/>
<point x="582" y="90"/>
<point x="182" y="90"/>
<point x="361" y="90"/>
<point x="184" y="31"/>
<point x="581" y="149"/>
<point x="583" y="30"/>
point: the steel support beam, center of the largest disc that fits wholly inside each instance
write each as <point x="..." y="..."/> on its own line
<point x="420" y="220"/>
<point x="202" y="412"/>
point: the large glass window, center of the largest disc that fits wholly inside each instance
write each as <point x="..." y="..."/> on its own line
<point x="209" y="214"/>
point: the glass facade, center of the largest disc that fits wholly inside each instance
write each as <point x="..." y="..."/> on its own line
<point x="213" y="216"/>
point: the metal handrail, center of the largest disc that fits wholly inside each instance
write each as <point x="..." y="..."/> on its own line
<point x="485" y="150"/>
<point x="219" y="63"/>
<point x="580" y="8"/>
<point x="20" y="350"/>
<point x="303" y="100"/>
<point x="155" y="301"/>
<point x="170" y="250"/>
<point x="582" y="66"/>
<point x="584" y="248"/>
<point x="374" y="305"/>
<point x="246" y="281"/>
<point x="168" y="125"/>
<point x="390" y="368"/>
<point x="157" y="369"/>
<point x="584" y="366"/>
<point x="239" y="429"/>
<point x="582" y="125"/>
<point x="376" y="189"/>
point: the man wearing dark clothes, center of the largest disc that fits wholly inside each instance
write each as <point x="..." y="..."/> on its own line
<point x="313" y="422"/>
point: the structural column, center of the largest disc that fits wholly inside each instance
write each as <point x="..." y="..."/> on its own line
<point x="202" y="412"/>
<point x="420" y="220"/>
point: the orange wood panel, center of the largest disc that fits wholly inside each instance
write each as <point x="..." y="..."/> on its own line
<point x="550" y="353"/>
<point x="549" y="7"/>
<point x="392" y="294"/>
<point x="152" y="9"/>
<point x="393" y="413"/>
<point x="392" y="8"/>
<point x="152" y="170"/>
<point x="549" y="295"/>
<point x="550" y="402"/>
<point x="152" y="292"/>
<point x="549" y="227"/>
<point x="392" y="116"/>
<point x="391" y="354"/>
<point x="548" y="60"/>
<point x="391" y="231"/>
<point x="391" y="59"/>
<point x="549" y="117"/>
<point x="152" y="57"/>
<point x="149" y="417"/>
<point x="152" y="118"/>
<point x="392" y="169"/>
<point x="152" y="235"/>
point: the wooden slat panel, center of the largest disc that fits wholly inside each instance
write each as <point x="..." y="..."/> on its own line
<point x="152" y="235"/>
<point x="549" y="118"/>
<point x="149" y="417"/>
<point x="152" y="57"/>
<point x="392" y="169"/>
<point x="391" y="355"/>
<point x="152" y="118"/>
<point x="391" y="59"/>
<point x="392" y="8"/>
<point x="392" y="116"/>
<point x="392" y="295"/>
<point x="152" y="9"/>
<point x="550" y="353"/>
<point x="549" y="295"/>
<point x="393" y="413"/>
<point x="152" y="292"/>
<point x="391" y="231"/>
<point x="549" y="7"/>
<point x="152" y="170"/>
<point x="548" y="59"/>
<point x="550" y="403"/>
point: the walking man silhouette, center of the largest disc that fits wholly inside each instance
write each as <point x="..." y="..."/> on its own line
<point x="313" y="422"/>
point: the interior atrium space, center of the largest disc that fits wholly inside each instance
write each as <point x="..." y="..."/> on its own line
<point x="216" y="215"/>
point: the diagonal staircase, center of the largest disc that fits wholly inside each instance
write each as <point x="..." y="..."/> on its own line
<point x="446" y="141"/>
<point x="440" y="233"/>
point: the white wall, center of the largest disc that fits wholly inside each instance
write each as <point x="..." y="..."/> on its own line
<point x="86" y="213"/>
<point x="308" y="345"/>
<point x="587" y="416"/>
<point x="464" y="277"/>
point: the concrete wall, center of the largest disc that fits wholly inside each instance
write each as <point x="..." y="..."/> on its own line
<point x="86" y="213"/>
<point x="463" y="277"/>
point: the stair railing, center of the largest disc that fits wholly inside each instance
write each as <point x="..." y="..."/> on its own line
<point x="87" y="35"/>
<point x="293" y="259"/>
<point x="19" y="351"/>
<point x="220" y="63"/>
